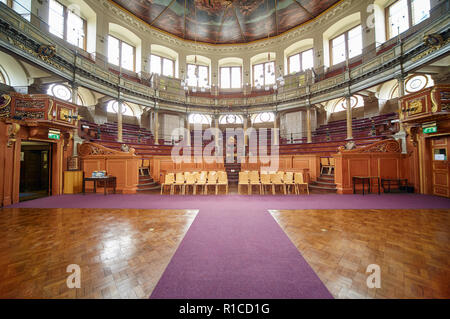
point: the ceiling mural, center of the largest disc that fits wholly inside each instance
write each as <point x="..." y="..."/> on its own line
<point x="225" y="21"/>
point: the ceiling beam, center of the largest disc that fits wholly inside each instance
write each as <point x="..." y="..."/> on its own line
<point x="304" y="9"/>
<point x="184" y="33"/>
<point x="161" y="13"/>
<point x="276" y="17"/>
<point x="239" y="25"/>
<point x="221" y="22"/>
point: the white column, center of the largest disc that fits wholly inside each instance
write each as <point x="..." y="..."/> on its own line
<point x="308" y="125"/>
<point x="275" y="131"/>
<point x="214" y="73"/>
<point x="76" y="138"/>
<point x="349" y="118"/>
<point x="188" y="128"/>
<point x="156" y="127"/>
<point x="119" y="121"/>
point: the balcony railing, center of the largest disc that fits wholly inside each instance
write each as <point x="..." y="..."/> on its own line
<point x="93" y="71"/>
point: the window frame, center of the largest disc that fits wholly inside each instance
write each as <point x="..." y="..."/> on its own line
<point x="65" y="28"/>
<point x="410" y="18"/>
<point x="120" y="53"/>
<point x="347" y="51"/>
<point x="231" y="77"/>
<point x="10" y="4"/>
<point x="162" y="63"/>
<point x="196" y="66"/>
<point x="264" y="72"/>
<point x="2" y="78"/>
<point x="300" y="54"/>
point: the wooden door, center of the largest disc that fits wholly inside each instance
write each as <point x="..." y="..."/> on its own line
<point x="440" y="149"/>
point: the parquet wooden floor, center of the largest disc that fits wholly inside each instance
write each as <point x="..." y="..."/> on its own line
<point x="122" y="253"/>
<point x="412" y="247"/>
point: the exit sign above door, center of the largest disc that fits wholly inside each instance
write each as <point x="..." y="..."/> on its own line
<point x="428" y="130"/>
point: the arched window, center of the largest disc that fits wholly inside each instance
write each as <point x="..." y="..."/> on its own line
<point x="113" y="107"/>
<point x="199" y="119"/>
<point x="161" y="65"/>
<point x="265" y="117"/>
<point x="347" y="45"/>
<point x="403" y="14"/>
<point x="301" y="61"/>
<point x="66" y="23"/>
<point x="231" y="119"/>
<point x="355" y="101"/>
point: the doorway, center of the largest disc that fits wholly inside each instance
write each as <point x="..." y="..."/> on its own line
<point x="440" y="165"/>
<point x="35" y="170"/>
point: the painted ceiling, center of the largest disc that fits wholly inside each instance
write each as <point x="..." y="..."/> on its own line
<point x="225" y="21"/>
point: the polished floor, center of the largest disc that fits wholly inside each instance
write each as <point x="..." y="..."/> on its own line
<point x="123" y="253"/>
<point x="412" y="248"/>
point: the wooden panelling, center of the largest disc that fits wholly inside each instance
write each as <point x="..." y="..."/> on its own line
<point x="382" y="159"/>
<point x="124" y="166"/>
<point x="73" y="181"/>
<point x="126" y="169"/>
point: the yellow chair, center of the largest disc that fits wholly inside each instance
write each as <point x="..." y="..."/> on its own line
<point x="265" y="181"/>
<point x="299" y="181"/>
<point x="281" y="174"/>
<point x="289" y="182"/>
<point x="222" y="181"/>
<point x="169" y="179"/>
<point x="190" y="181"/>
<point x="179" y="182"/>
<point x="254" y="181"/>
<point x="243" y="181"/>
<point x="276" y="180"/>
<point x="200" y="180"/>
<point x="212" y="180"/>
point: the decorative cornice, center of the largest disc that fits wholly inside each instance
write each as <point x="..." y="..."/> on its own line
<point x="385" y="146"/>
<point x="90" y="149"/>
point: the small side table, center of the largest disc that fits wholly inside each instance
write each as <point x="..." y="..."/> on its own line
<point x="363" y="180"/>
<point x="400" y="182"/>
<point x="105" y="182"/>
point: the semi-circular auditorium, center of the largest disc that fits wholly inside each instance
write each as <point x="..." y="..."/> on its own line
<point x="221" y="149"/>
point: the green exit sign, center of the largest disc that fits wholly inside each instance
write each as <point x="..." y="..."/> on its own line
<point x="54" y="135"/>
<point x="428" y="130"/>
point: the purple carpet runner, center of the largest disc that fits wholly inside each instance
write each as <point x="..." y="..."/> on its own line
<point x="234" y="248"/>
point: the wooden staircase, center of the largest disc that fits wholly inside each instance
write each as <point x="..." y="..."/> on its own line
<point x="146" y="183"/>
<point x="324" y="185"/>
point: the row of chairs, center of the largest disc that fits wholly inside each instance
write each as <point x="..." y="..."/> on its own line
<point x="287" y="181"/>
<point x="183" y="181"/>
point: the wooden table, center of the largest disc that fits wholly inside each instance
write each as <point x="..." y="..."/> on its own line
<point x="362" y="180"/>
<point x="107" y="181"/>
<point x="396" y="181"/>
